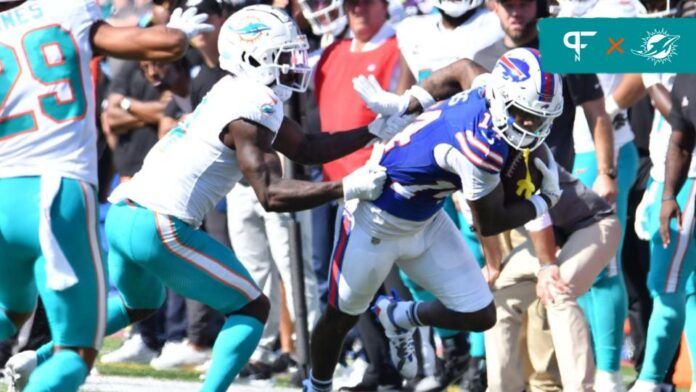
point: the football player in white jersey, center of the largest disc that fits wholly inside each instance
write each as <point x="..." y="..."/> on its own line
<point x="234" y="132"/>
<point x="48" y="169"/>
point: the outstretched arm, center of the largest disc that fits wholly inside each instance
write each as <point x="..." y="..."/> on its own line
<point x="316" y="148"/>
<point x="152" y="43"/>
<point x="261" y="167"/>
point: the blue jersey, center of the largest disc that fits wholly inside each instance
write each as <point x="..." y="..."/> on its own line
<point x="417" y="185"/>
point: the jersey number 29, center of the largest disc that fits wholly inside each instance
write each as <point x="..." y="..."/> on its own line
<point x="51" y="54"/>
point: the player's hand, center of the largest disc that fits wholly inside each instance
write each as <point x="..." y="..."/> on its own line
<point x="365" y="183"/>
<point x="550" y="284"/>
<point x="377" y="99"/>
<point x="386" y="127"/>
<point x="490" y="274"/>
<point x="606" y="188"/>
<point x="549" y="183"/>
<point x="189" y="22"/>
<point x="670" y="210"/>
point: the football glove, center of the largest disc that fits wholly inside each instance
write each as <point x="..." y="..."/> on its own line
<point x="189" y="22"/>
<point x="365" y="183"/>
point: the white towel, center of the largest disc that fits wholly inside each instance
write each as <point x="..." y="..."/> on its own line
<point x="59" y="273"/>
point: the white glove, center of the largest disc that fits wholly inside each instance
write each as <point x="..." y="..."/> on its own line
<point x="189" y="22"/>
<point x="549" y="183"/>
<point x="365" y="183"/>
<point x="641" y="222"/>
<point x="379" y="101"/>
<point x="386" y="127"/>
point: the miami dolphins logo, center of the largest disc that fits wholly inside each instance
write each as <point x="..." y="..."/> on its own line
<point x="251" y="30"/>
<point x="658" y="46"/>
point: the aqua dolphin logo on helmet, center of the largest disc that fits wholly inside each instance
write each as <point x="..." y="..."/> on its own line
<point x="252" y="28"/>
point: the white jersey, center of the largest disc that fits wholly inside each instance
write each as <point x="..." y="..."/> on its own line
<point x="190" y="170"/>
<point x="623" y="134"/>
<point x="427" y="46"/>
<point x="660" y="134"/>
<point x="47" y="109"/>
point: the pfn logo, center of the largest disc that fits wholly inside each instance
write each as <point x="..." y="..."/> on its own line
<point x="573" y="40"/>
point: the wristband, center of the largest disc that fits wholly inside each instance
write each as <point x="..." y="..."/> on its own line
<point x="611" y="107"/>
<point x="669" y="198"/>
<point x="125" y="104"/>
<point x="422" y="96"/>
<point x="543" y="267"/>
<point x="540" y="205"/>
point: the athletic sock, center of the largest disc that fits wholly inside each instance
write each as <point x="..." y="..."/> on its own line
<point x="7" y="327"/>
<point x="64" y="372"/>
<point x="405" y="314"/>
<point x="234" y="345"/>
<point x="116" y="319"/>
<point x="320" y="385"/>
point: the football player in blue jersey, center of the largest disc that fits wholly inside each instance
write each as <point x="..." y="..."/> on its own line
<point x="461" y="143"/>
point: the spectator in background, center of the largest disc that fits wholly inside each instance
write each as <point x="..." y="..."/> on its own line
<point x="371" y="49"/>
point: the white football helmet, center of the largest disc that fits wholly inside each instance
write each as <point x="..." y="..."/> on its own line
<point x="264" y="44"/>
<point x="523" y="99"/>
<point x="325" y="16"/>
<point x="456" y="8"/>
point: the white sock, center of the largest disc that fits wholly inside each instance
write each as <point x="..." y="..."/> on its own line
<point x="405" y="314"/>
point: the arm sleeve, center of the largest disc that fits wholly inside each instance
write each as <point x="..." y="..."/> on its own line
<point x="476" y="183"/>
<point x="265" y="108"/>
<point x="584" y="88"/>
<point x="676" y="117"/>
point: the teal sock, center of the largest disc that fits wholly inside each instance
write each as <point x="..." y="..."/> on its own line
<point x="64" y="372"/>
<point x="116" y="319"/>
<point x="610" y="309"/>
<point x="234" y="345"/>
<point x="7" y="327"/>
<point x="116" y="315"/>
<point x="44" y="353"/>
<point x="664" y="332"/>
<point x="478" y="346"/>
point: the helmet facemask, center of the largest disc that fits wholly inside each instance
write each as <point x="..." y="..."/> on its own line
<point x="325" y="16"/>
<point x="524" y="129"/>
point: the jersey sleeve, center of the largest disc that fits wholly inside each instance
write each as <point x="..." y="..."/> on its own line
<point x="263" y="107"/>
<point x="584" y="88"/>
<point x="476" y="182"/>
<point x="676" y="117"/>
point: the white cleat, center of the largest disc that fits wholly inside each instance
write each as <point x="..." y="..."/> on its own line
<point x="645" y="386"/>
<point x="401" y="343"/>
<point x="176" y="354"/>
<point x="608" y="382"/>
<point x="132" y="350"/>
<point x="18" y="369"/>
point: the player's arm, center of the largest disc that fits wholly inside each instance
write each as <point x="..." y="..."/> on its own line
<point x="152" y="43"/>
<point x="440" y="85"/>
<point x="262" y="169"/>
<point x="543" y="240"/>
<point x="681" y="145"/>
<point x="316" y="148"/>
<point x="603" y="132"/>
<point x="493" y="216"/>
<point x="406" y="78"/>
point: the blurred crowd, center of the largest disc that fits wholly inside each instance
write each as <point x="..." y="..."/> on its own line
<point x="400" y="43"/>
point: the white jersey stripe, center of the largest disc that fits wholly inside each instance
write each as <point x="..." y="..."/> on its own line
<point x="683" y="239"/>
<point x="214" y="268"/>
<point x="100" y="278"/>
<point x="473" y="157"/>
